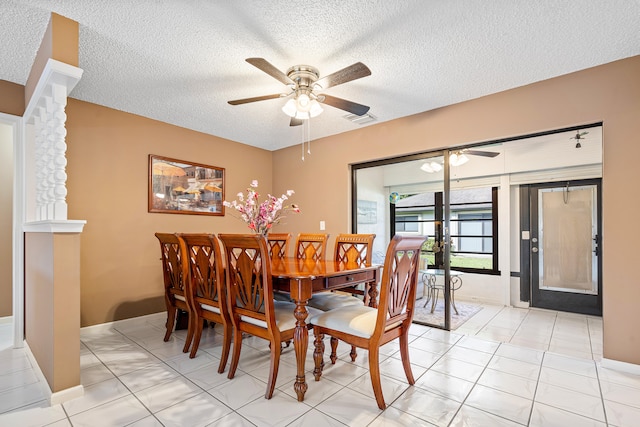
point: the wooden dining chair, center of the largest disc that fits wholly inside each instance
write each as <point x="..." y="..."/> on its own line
<point x="250" y="299"/>
<point x="370" y="328"/>
<point x="311" y="246"/>
<point x="205" y="289"/>
<point x="174" y="283"/>
<point x="353" y="250"/>
<point x="278" y="245"/>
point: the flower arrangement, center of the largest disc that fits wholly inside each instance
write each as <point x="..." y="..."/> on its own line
<point x="260" y="217"/>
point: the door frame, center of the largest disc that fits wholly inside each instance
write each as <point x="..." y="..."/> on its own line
<point x="586" y="304"/>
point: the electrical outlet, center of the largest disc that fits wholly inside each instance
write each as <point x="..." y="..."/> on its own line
<point x="322" y="225"/>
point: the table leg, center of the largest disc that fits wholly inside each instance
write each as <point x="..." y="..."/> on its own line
<point x="300" y="294"/>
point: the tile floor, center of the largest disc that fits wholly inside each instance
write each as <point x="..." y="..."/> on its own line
<point x="503" y="367"/>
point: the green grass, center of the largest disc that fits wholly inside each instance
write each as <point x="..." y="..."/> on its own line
<point x="465" y="261"/>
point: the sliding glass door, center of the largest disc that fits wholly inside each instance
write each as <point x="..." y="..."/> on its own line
<point x="409" y="196"/>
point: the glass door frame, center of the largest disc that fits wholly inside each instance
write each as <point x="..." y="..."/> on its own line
<point x="446" y="235"/>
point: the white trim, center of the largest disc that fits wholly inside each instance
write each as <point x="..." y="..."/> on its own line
<point x="55" y="72"/>
<point x="617" y="365"/>
<point x="55" y="226"/>
<point x="18" y="213"/>
<point x="65" y="395"/>
<point x="6" y="320"/>
<point x="59" y="396"/>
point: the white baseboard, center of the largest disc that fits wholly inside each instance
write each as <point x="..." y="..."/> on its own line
<point x="59" y="396"/>
<point x="109" y="325"/>
<point x="65" y="395"/>
<point x="617" y="365"/>
<point x="6" y="319"/>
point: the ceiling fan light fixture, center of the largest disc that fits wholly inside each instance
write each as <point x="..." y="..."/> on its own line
<point x="315" y="109"/>
<point x="458" y="159"/>
<point x="290" y="108"/>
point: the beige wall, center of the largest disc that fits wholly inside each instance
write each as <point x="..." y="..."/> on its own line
<point x="60" y="42"/>
<point x="11" y="98"/>
<point x="6" y="220"/>
<point x="107" y="186"/>
<point x="52" y="294"/>
<point x="608" y="93"/>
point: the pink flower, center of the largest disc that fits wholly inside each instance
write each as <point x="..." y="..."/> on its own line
<point x="261" y="217"/>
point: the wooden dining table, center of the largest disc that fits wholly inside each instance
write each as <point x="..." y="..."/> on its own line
<point x="302" y="278"/>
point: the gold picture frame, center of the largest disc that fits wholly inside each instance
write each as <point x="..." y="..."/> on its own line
<point x="183" y="187"/>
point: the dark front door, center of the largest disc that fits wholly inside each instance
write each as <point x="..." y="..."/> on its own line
<point x="565" y="254"/>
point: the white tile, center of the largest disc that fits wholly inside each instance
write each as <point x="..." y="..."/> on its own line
<point x="619" y="377"/>
<point x="579" y="383"/>
<point x="444" y="385"/>
<point x="468" y="416"/>
<point x="183" y="364"/>
<point x="526" y="370"/>
<point x="521" y="353"/>
<point x="342" y="372"/>
<point x="423" y="358"/>
<point x="34" y="416"/>
<point x="570" y="400"/>
<point x="17" y="379"/>
<point x="239" y="391"/>
<point x="286" y="372"/>
<point x="391" y="387"/>
<point x="548" y="416"/>
<point x="430" y="345"/>
<point x="95" y="374"/>
<point x="478" y="344"/>
<point x="207" y="376"/>
<point x="458" y="368"/>
<point x="22" y="396"/>
<point x="571" y="364"/>
<point x="149" y="421"/>
<point x="394" y="368"/>
<point x="197" y="411"/>
<point x="620" y="415"/>
<point x="163" y="395"/>
<point x="508" y="383"/>
<point x="499" y="403"/>
<point x="468" y="355"/>
<point x="232" y="420"/>
<point x="393" y="417"/>
<point x="119" y="412"/>
<point x="317" y="391"/>
<point x="280" y="410"/>
<point x="148" y="377"/>
<point x="95" y="395"/>
<point x="316" y="418"/>
<point x="350" y="407"/>
<point x="427" y="406"/>
<point x="443" y="336"/>
<point x="620" y="393"/>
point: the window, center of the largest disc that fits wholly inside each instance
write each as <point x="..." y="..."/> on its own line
<point x="474" y="219"/>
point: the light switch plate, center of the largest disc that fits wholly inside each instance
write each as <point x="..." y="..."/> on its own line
<point x="322" y="225"/>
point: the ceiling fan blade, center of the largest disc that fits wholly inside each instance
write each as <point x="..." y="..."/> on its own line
<point x="481" y="153"/>
<point x="295" y="122"/>
<point x="343" y="104"/>
<point x="254" y="99"/>
<point x="352" y="72"/>
<point x="266" y="66"/>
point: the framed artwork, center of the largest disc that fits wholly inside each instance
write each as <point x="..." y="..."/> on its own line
<point x="367" y="212"/>
<point x="182" y="187"/>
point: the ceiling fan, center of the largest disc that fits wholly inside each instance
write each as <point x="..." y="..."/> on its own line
<point x="305" y="88"/>
<point x="457" y="158"/>
<point x="579" y="136"/>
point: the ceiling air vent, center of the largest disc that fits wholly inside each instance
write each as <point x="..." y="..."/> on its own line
<point x="365" y="118"/>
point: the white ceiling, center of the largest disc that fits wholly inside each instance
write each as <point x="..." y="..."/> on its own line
<point x="180" y="61"/>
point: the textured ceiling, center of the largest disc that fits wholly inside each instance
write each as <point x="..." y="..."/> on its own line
<point x="181" y="61"/>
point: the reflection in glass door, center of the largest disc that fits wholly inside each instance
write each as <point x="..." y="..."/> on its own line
<point x="382" y="186"/>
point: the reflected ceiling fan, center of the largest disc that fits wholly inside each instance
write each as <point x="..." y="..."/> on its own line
<point x="457" y="158"/>
<point x="579" y="137"/>
<point x="305" y="89"/>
